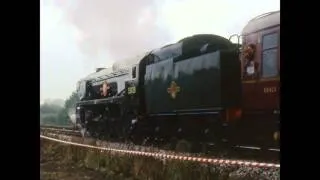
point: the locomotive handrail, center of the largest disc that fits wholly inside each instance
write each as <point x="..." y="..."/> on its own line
<point x="121" y="92"/>
<point x="238" y="38"/>
<point x="233" y="36"/>
<point x="100" y="101"/>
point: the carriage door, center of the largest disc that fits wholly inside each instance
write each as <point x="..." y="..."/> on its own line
<point x="262" y="75"/>
<point x="270" y="69"/>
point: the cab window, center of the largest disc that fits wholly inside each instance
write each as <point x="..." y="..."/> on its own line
<point x="270" y="55"/>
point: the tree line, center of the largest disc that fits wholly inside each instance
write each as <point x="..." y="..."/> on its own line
<point x="51" y="114"/>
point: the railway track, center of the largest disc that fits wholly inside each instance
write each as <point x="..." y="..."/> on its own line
<point x="65" y="131"/>
<point x="235" y="156"/>
<point x="57" y="127"/>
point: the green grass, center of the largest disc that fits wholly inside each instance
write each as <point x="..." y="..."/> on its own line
<point x="120" y="166"/>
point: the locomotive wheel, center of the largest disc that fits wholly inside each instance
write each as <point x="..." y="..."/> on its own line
<point x="170" y="144"/>
<point x="183" y="146"/>
<point x="204" y="148"/>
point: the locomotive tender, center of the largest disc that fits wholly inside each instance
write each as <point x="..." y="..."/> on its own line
<point x="200" y="89"/>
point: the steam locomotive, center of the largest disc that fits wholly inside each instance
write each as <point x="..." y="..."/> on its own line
<point x="201" y="89"/>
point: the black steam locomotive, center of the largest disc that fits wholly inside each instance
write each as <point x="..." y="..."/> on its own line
<point x="199" y="89"/>
<point x="180" y="91"/>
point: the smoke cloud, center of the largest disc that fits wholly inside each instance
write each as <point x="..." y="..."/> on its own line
<point x="121" y="28"/>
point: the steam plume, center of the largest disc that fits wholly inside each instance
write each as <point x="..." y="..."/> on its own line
<point x="122" y="28"/>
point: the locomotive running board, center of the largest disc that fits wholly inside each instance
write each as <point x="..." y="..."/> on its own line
<point x="116" y="99"/>
<point x="256" y="148"/>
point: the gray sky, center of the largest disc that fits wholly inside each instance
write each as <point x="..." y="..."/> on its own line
<point x="77" y="36"/>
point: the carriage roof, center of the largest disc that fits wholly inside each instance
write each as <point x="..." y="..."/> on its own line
<point x="263" y="21"/>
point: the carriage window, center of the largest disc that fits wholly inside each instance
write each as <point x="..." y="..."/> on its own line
<point x="270" y="41"/>
<point x="270" y="55"/>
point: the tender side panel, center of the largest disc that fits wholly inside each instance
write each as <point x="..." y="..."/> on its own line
<point x="194" y="85"/>
<point x="186" y="76"/>
<point x="158" y="77"/>
<point x="199" y="83"/>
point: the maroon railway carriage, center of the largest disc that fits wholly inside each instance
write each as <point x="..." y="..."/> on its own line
<point x="260" y="59"/>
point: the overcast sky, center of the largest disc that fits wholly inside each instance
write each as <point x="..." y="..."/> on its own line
<point x="77" y="36"/>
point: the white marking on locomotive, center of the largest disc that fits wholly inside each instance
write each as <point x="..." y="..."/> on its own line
<point x="249" y="147"/>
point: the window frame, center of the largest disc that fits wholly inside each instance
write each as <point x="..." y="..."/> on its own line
<point x="268" y="49"/>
